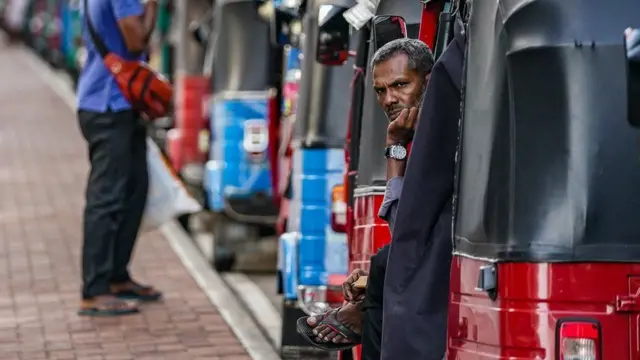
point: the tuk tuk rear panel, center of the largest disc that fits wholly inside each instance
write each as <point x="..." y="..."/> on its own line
<point x="548" y="180"/>
<point x="237" y="182"/>
<point x="231" y="173"/>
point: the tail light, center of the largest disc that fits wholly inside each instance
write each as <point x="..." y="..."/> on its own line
<point x="338" y="209"/>
<point x="256" y="138"/>
<point x="579" y="340"/>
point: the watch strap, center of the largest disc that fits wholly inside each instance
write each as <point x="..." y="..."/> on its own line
<point x="387" y="152"/>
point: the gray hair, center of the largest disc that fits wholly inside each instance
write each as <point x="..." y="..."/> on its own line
<point x="420" y="56"/>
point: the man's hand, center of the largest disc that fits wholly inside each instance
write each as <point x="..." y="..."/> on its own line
<point x="351" y="293"/>
<point x="401" y="130"/>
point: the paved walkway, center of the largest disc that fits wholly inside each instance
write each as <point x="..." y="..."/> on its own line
<point x="43" y="167"/>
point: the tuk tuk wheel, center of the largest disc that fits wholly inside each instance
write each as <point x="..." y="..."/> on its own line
<point x="183" y="220"/>
<point x="279" y="283"/>
<point x="223" y="261"/>
<point x="224" y="239"/>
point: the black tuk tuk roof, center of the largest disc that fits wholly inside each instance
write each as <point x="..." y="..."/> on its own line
<point x="371" y="162"/>
<point x="410" y="10"/>
<point x="242" y="47"/>
<point x="548" y="166"/>
<point x="323" y="106"/>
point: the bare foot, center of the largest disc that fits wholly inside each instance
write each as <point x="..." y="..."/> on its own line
<point x="350" y="315"/>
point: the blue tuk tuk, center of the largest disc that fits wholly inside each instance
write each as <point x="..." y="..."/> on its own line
<point x="312" y="249"/>
<point x="237" y="179"/>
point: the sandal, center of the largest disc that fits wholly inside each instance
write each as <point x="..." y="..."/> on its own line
<point x="331" y="320"/>
<point x="138" y="292"/>
<point x="107" y="308"/>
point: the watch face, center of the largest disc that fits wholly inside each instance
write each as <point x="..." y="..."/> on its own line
<point x="398" y="152"/>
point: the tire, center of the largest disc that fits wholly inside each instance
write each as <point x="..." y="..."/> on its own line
<point x="224" y="262"/>
<point x="183" y="220"/>
<point x="279" y="283"/>
<point x="224" y="258"/>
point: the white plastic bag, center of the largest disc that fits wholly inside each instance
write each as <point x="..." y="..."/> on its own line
<point x="167" y="198"/>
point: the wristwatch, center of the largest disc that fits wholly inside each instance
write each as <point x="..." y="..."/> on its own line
<point x="396" y="152"/>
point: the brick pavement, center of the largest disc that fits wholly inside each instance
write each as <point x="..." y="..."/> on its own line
<point x="43" y="166"/>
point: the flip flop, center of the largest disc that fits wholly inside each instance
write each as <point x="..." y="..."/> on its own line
<point x="139" y="292"/>
<point x="109" y="309"/>
<point x="330" y="319"/>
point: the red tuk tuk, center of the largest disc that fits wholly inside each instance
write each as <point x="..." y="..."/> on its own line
<point x="546" y="250"/>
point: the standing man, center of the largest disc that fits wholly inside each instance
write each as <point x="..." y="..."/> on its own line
<point x="117" y="187"/>
<point x="416" y="288"/>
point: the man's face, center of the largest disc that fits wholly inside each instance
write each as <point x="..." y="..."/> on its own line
<point x="396" y="86"/>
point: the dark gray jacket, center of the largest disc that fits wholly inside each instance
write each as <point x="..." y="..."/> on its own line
<point x="416" y="290"/>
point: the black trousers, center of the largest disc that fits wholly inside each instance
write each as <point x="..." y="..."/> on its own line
<point x="372" y="306"/>
<point x="115" y="196"/>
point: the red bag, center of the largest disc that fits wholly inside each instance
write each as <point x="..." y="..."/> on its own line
<point x="148" y="92"/>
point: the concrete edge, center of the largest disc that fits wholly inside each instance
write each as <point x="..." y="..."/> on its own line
<point x="260" y="307"/>
<point x="209" y="281"/>
<point x="219" y="293"/>
<point x="255" y="300"/>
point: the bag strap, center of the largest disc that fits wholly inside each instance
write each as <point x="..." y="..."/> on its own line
<point x="97" y="41"/>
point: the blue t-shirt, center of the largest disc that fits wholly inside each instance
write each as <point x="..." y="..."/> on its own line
<point x="97" y="89"/>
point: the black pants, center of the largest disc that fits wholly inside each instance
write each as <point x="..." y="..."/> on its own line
<point x="372" y="306"/>
<point x="115" y="197"/>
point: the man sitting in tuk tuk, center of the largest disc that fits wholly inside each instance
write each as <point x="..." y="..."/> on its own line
<point x="416" y="287"/>
<point x="401" y="70"/>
